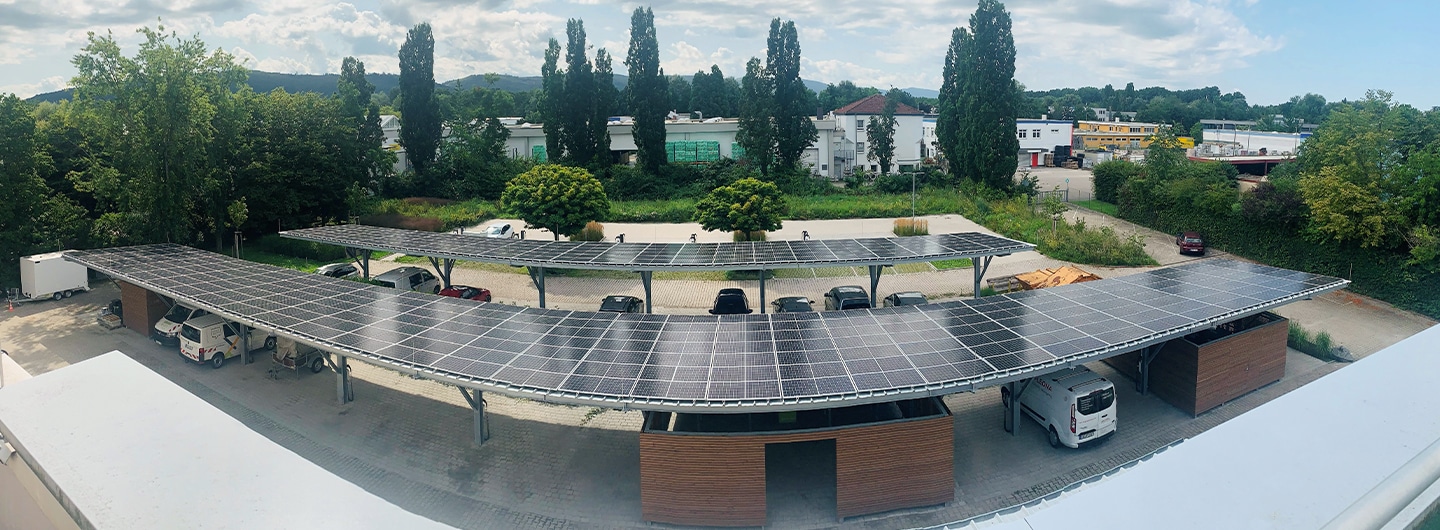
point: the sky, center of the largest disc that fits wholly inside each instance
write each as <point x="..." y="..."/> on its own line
<point x="1269" y="50"/>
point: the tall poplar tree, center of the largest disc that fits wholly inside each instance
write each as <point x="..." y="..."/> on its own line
<point x="552" y="90"/>
<point x="947" y="124"/>
<point x="604" y="106"/>
<point x="647" y="91"/>
<point x="419" y="110"/>
<point x="578" y="106"/>
<point x="354" y="92"/>
<point x="794" y="131"/>
<point x="757" y="134"/>
<point x="981" y="101"/>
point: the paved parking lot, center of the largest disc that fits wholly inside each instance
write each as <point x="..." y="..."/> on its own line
<point x="408" y="440"/>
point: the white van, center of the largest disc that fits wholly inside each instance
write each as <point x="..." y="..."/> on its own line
<point x="1076" y="406"/>
<point x="212" y="339"/>
<point x="409" y="279"/>
<point x="167" y="330"/>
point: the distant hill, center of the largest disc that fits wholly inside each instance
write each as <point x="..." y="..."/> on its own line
<point x="324" y="84"/>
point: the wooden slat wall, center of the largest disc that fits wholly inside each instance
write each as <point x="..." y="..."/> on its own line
<point x="141" y="307"/>
<point x="720" y="480"/>
<point x="1196" y="379"/>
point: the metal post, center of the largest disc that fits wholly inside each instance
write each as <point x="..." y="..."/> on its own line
<point x="343" y="392"/>
<point x="540" y="285"/>
<point x="1012" y="409"/>
<point x="443" y="268"/>
<point x="980" y="265"/>
<point x="482" y="420"/>
<point x="244" y="343"/>
<point x="874" y="281"/>
<point x="1142" y="383"/>
<point x="645" y="278"/>
<point x="361" y="257"/>
<point x="762" y="291"/>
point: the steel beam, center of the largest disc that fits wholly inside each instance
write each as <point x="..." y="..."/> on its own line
<point x="762" y="291"/>
<point x="443" y="268"/>
<point x="482" y="420"/>
<point x="344" y="393"/>
<point x="645" y="280"/>
<point x="537" y="276"/>
<point x="1012" y="412"/>
<point x="362" y="258"/>
<point x="980" y="265"/>
<point x="874" y="281"/>
<point x="1142" y="383"/>
<point x="244" y="342"/>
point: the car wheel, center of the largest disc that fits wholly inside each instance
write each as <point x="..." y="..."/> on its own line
<point x="317" y="365"/>
<point x="436" y="290"/>
<point x="1054" y="438"/>
<point x="217" y="360"/>
<point x="57" y="296"/>
<point x="270" y="343"/>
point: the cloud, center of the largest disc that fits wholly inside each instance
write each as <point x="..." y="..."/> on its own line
<point x="25" y="90"/>
<point x="683" y="58"/>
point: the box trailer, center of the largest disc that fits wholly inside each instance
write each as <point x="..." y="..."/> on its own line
<point x="51" y="276"/>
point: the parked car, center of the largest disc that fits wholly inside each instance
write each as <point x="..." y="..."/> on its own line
<point x="847" y="297"/>
<point x="1190" y="243"/>
<point x="500" y="231"/>
<point x="905" y="298"/>
<point x="731" y="301"/>
<point x="619" y="303"/>
<point x="467" y="292"/>
<point x="212" y="339"/>
<point x="167" y="329"/>
<point x="792" y="304"/>
<point x="1074" y="405"/>
<point x="338" y="270"/>
<point x="409" y="279"/>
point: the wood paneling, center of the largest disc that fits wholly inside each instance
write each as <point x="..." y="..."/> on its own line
<point x="719" y="480"/>
<point x="142" y="308"/>
<point x="1196" y="379"/>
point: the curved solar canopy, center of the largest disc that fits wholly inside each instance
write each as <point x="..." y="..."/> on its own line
<point x="708" y="364"/>
<point x="749" y="255"/>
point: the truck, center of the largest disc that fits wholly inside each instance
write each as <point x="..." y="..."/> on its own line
<point x="51" y="276"/>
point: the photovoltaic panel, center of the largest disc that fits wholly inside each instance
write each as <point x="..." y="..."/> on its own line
<point x="784" y="361"/>
<point x="747" y="255"/>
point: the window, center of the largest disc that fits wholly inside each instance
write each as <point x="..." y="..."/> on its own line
<point x="860" y="147"/>
<point x="824" y="167"/>
<point x="1054" y="130"/>
<point x="859" y="124"/>
<point x="1022" y="133"/>
<point x="874" y="168"/>
<point x="1036" y="132"/>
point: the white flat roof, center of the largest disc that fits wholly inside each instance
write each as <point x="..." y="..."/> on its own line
<point x="129" y="449"/>
<point x="1295" y="462"/>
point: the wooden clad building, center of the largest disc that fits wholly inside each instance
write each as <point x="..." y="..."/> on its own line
<point x="1204" y="370"/>
<point x="142" y="308"/>
<point x="710" y="470"/>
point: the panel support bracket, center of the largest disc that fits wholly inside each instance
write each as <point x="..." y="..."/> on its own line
<point x="476" y="399"/>
<point x="1142" y="383"/>
<point x="361" y="256"/>
<point x="1012" y="407"/>
<point x="980" y="265"/>
<point x="443" y="268"/>
<point x="537" y="276"/>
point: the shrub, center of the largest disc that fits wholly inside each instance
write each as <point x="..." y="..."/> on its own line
<point x="274" y="244"/>
<point x="739" y="235"/>
<point x="1319" y="346"/>
<point x="1109" y="176"/>
<point x="449" y="214"/>
<point x="426" y="201"/>
<point x="912" y="227"/>
<point x="593" y="231"/>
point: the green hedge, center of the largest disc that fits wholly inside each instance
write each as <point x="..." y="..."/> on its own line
<point x="319" y="252"/>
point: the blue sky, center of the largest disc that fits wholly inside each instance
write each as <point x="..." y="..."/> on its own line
<point x="1267" y="49"/>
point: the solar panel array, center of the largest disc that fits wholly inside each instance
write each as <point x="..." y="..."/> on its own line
<point x="748" y="255"/>
<point x="709" y="363"/>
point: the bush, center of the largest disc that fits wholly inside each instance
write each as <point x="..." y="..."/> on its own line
<point x="424" y="213"/>
<point x="1109" y="176"/>
<point x="739" y="235"/>
<point x="275" y="244"/>
<point x="593" y="231"/>
<point x="896" y="183"/>
<point x="406" y="222"/>
<point x="668" y="211"/>
<point x="912" y="227"/>
<point x="1320" y="346"/>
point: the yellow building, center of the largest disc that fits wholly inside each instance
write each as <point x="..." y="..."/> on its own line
<point x="1111" y="136"/>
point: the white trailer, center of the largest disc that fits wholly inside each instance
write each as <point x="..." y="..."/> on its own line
<point x="51" y="276"/>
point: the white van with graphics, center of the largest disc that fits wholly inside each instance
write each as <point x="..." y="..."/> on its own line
<point x="212" y="339"/>
<point x="1075" y="406"/>
<point x="167" y="329"/>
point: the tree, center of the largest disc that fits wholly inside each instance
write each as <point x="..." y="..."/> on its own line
<point x="1054" y="208"/>
<point x="647" y="91"/>
<point x="881" y="132"/>
<point x="794" y="131"/>
<point x="756" y="134"/>
<point x="707" y="93"/>
<point x="419" y="110"/>
<point x="553" y="95"/>
<point x="978" y="103"/>
<point x="577" y="109"/>
<point x="749" y="205"/>
<point x="604" y="107"/>
<point x="355" y="94"/>
<point x="558" y="198"/>
<point x="472" y="162"/>
<point x="32" y="218"/>
<point x="152" y="120"/>
<point x="679" y="93"/>
<point x="1345" y="211"/>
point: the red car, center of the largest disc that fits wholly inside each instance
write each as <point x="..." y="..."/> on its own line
<point x="467" y="292"/>
<point x="1190" y="243"/>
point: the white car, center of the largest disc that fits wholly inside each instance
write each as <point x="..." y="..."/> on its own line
<point x="1074" y="405"/>
<point x="500" y="231"/>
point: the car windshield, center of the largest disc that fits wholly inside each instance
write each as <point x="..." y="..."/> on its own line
<point x="177" y="313"/>
<point x="855" y="304"/>
<point x="191" y="333"/>
<point x="495" y="230"/>
<point x="911" y="299"/>
<point x="1192" y="240"/>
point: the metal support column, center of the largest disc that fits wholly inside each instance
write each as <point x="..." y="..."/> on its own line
<point x="762" y="291"/>
<point x="343" y="392"/>
<point x="980" y="265"/>
<point x="244" y="344"/>
<point x="482" y="420"/>
<point x="443" y="268"/>
<point x="1012" y="406"/>
<point x="537" y="275"/>
<point x="645" y="279"/>
<point x="874" y="281"/>
<point x="1142" y="383"/>
<point x="362" y="258"/>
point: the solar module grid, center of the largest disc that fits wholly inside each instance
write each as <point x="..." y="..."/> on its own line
<point x="746" y="255"/>
<point x="684" y="362"/>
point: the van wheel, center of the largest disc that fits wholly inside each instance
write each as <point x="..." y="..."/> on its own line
<point x="67" y="294"/>
<point x="317" y="365"/>
<point x="1054" y="438"/>
<point x="269" y="343"/>
<point x="57" y="296"/>
<point x="218" y="360"/>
